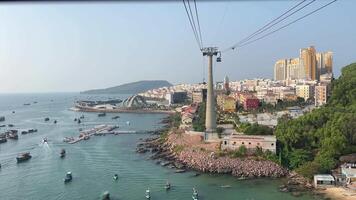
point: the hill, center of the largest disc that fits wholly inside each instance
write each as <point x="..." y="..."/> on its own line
<point x="131" y="88"/>
<point x="314" y="142"/>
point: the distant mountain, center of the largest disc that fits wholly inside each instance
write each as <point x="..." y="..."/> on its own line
<point x="131" y="88"/>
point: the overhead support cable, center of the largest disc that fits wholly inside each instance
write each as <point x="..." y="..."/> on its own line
<point x="196" y="14"/>
<point x="282" y="27"/>
<point x="192" y="24"/>
<point x="274" y="21"/>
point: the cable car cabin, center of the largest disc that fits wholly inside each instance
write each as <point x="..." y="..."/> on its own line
<point x="218" y="59"/>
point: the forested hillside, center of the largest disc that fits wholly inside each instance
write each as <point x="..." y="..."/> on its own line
<point x="314" y="142"/>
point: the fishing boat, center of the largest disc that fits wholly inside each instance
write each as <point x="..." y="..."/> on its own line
<point x="46" y="119"/>
<point x="195" y="194"/>
<point x="44" y="140"/>
<point x="63" y="153"/>
<point x="23" y="157"/>
<point x="55" y="121"/>
<point x="148" y="196"/>
<point x="101" y="114"/>
<point x="167" y="186"/>
<point x="82" y="117"/>
<point x="68" y="177"/>
<point x="116" y="177"/>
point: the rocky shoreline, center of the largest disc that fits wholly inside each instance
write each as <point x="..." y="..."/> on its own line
<point x="166" y="154"/>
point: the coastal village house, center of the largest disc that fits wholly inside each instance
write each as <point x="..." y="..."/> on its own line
<point x="233" y="142"/>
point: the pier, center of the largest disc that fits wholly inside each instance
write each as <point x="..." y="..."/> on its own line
<point x="98" y="131"/>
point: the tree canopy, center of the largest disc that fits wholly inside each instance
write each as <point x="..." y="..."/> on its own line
<point x="314" y="142"/>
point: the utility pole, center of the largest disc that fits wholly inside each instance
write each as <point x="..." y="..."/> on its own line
<point x="210" y="115"/>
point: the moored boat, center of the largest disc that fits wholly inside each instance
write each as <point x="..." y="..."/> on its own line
<point x="116" y="117"/>
<point x="101" y="114"/>
<point x="3" y="140"/>
<point x="23" y="157"/>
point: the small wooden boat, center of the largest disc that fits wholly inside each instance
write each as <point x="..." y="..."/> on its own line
<point x="46" y="119"/>
<point x="116" y="177"/>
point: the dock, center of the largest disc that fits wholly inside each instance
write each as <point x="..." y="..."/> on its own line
<point x="97" y="131"/>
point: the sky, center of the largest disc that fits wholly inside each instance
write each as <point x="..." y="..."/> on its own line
<point x="69" y="47"/>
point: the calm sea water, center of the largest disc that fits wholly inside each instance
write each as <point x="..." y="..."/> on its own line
<point x="94" y="162"/>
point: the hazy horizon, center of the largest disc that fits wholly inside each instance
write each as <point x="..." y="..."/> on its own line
<point x="71" y="47"/>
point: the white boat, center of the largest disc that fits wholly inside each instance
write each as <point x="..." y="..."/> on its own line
<point x="195" y="195"/>
<point x="148" y="196"/>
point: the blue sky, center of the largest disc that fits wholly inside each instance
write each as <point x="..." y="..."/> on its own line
<point x="48" y="47"/>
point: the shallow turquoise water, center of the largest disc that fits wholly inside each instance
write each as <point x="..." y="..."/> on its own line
<point x="94" y="162"/>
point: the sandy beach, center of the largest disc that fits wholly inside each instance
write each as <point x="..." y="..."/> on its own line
<point x="339" y="193"/>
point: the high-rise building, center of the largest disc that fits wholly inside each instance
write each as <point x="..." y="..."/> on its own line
<point x="310" y="65"/>
<point x="280" y="70"/>
<point x="308" y="55"/>
<point x="328" y="62"/>
<point x="295" y="69"/>
<point x="324" y="63"/>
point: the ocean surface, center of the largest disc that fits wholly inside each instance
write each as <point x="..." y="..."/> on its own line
<point x="95" y="161"/>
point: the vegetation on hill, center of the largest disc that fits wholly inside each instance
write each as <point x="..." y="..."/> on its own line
<point x="199" y="120"/>
<point x="313" y="143"/>
<point x="254" y="129"/>
<point x="131" y="88"/>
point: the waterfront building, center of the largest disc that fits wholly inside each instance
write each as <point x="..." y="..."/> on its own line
<point x="304" y="91"/>
<point x="321" y="94"/>
<point x="251" y="142"/>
